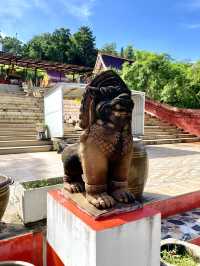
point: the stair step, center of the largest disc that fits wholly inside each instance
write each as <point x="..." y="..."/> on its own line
<point x="22" y="121"/>
<point x="161" y="132"/>
<point x="20" y="113"/>
<point x="19" y="143"/>
<point x="71" y="138"/>
<point x="156" y="124"/>
<point x="17" y="133"/>
<point x="14" y="125"/>
<point x="169" y="136"/>
<point x="169" y="141"/>
<point x="18" y="129"/>
<point x="21" y="106"/>
<point x="5" y="95"/>
<point x="16" y="137"/>
<point x="165" y="130"/>
<point x="26" y="149"/>
<point x="160" y="127"/>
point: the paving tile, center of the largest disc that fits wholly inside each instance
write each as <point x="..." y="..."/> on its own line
<point x="183" y="226"/>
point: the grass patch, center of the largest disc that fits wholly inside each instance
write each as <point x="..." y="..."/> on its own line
<point x="179" y="259"/>
<point x="42" y="183"/>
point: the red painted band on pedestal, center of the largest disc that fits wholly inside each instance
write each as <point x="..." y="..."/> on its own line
<point x="104" y="223"/>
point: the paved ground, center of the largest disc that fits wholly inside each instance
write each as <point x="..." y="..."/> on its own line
<point x="31" y="166"/>
<point x="174" y="169"/>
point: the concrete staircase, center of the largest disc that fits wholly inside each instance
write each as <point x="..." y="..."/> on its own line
<point x="18" y="117"/>
<point x="159" y="132"/>
<point x="155" y="132"/>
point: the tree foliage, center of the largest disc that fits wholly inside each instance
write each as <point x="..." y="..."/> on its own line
<point x="60" y="46"/>
<point x="12" y="45"/>
<point x="164" y="80"/>
<point x="83" y="50"/>
<point x="129" y="52"/>
<point x="110" y="48"/>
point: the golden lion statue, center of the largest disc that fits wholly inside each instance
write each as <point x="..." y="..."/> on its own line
<point x="103" y="156"/>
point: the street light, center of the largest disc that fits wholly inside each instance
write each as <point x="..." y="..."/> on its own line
<point x="1" y="44"/>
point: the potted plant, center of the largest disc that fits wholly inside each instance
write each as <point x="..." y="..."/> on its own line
<point x="42" y="131"/>
<point x="179" y="253"/>
<point x="5" y="182"/>
<point x="30" y="198"/>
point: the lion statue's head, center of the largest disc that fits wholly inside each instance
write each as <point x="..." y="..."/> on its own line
<point x="106" y="98"/>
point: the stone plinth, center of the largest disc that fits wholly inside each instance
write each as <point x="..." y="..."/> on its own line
<point x="126" y="239"/>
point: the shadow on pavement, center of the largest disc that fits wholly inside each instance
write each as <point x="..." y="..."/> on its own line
<point x="162" y="152"/>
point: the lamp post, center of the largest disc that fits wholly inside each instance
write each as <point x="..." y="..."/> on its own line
<point x="1" y="43"/>
<point x="16" y="44"/>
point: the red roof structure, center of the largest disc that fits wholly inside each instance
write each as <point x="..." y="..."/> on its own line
<point x="11" y="59"/>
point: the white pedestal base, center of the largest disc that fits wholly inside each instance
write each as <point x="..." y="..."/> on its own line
<point x="130" y="239"/>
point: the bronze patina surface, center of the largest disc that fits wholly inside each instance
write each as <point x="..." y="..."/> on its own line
<point x="103" y="156"/>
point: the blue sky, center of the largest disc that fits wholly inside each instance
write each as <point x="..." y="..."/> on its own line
<point x="171" y="26"/>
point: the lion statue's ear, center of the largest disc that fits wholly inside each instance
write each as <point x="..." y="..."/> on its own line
<point x="92" y="95"/>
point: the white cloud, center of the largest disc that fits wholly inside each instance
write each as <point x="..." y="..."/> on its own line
<point x="190" y="6"/>
<point x="15" y="9"/>
<point x="193" y="26"/>
<point x="13" y="12"/>
<point x="79" y="8"/>
<point x="3" y="34"/>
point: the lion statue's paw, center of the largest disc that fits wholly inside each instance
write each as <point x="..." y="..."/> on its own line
<point x="123" y="196"/>
<point x="101" y="200"/>
<point x="74" y="187"/>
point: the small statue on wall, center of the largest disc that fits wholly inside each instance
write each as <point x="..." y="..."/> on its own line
<point x="100" y="163"/>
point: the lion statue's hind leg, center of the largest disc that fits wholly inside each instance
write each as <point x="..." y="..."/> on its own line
<point x="73" y="181"/>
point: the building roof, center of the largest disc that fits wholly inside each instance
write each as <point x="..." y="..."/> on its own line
<point x="111" y="61"/>
<point x="9" y="59"/>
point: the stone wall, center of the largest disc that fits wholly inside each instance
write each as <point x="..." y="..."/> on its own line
<point x="187" y="119"/>
<point x="71" y="110"/>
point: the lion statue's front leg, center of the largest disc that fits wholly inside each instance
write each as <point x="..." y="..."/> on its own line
<point x="95" y="172"/>
<point x="119" y="170"/>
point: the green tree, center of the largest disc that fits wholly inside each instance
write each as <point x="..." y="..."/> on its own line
<point x="129" y="52"/>
<point x="60" y="41"/>
<point x="83" y="51"/>
<point x="163" y="79"/>
<point x="122" y="52"/>
<point x="37" y="46"/>
<point x="110" y="48"/>
<point x="12" y="45"/>
<point x="47" y="46"/>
